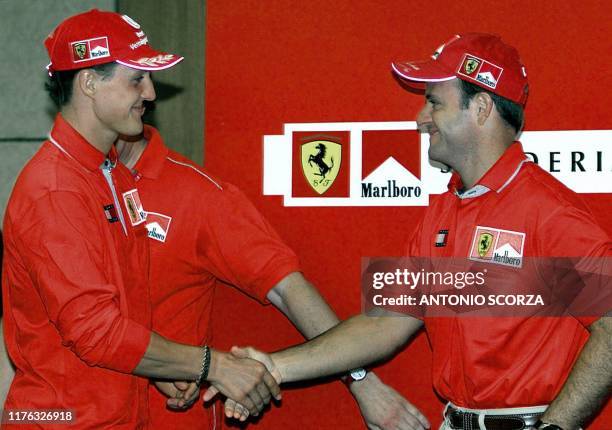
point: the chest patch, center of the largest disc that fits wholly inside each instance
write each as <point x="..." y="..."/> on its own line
<point x="497" y="246"/>
<point x="158" y="226"/>
<point x="131" y="199"/>
<point x="111" y="213"/>
<point x="441" y="238"/>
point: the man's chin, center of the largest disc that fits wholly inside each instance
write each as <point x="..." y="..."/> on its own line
<point x="437" y="159"/>
<point x="135" y="128"/>
<point x="434" y="153"/>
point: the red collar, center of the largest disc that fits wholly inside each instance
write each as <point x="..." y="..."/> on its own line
<point x="77" y="147"/>
<point x="152" y="160"/>
<point x="499" y="174"/>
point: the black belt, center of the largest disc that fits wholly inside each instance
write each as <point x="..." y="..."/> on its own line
<point x="469" y="420"/>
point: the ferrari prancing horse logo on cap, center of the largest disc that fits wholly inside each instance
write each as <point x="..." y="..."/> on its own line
<point x="80" y="50"/>
<point x="471" y="64"/>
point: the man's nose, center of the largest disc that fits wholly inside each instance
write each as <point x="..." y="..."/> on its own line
<point x="148" y="92"/>
<point x="424" y="117"/>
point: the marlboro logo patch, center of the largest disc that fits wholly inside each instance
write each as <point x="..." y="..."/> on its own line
<point x="158" y="226"/>
<point x="133" y="207"/>
<point x="479" y="70"/>
<point x="99" y="47"/>
<point x="493" y="245"/>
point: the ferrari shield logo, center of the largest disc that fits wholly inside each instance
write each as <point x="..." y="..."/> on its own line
<point x="80" y="51"/>
<point x="470" y="65"/>
<point x="321" y="163"/>
<point x="484" y="243"/>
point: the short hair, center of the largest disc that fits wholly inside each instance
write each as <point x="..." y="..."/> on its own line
<point x="59" y="84"/>
<point x="511" y="112"/>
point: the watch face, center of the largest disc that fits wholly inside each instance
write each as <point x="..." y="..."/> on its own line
<point x="358" y="374"/>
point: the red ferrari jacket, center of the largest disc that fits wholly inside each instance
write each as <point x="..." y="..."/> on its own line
<point x="507" y="361"/>
<point x="75" y="286"/>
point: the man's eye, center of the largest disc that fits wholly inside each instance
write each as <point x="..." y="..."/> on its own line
<point x="139" y="79"/>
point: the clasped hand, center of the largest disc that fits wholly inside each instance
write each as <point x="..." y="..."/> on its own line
<point x="234" y="408"/>
<point x="244" y="380"/>
<point x="381" y="406"/>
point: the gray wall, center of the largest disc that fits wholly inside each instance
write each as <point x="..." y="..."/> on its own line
<point x="26" y="113"/>
<point x="176" y="26"/>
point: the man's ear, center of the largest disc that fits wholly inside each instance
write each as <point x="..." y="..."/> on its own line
<point x="87" y="82"/>
<point x="483" y="103"/>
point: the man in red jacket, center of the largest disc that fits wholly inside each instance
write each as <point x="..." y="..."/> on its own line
<point x="531" y="368"/>
<point x="77" y="313"/>
<point x="203" y="231"/>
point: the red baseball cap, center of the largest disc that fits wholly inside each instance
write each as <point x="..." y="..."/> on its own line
<point x="482" y="59"/>
<point x="98" y="37"/>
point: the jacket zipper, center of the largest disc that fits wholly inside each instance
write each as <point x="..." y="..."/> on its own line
<point x="107" y="168"/>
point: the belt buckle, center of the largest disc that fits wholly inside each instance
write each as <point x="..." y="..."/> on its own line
<point x="463" y="420"/>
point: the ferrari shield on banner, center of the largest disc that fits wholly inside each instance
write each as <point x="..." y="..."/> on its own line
<point x="321" y="160"/>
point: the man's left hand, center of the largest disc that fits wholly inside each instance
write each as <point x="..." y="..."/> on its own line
<point x="383" y="408"/>
<point x="181" y="395"/>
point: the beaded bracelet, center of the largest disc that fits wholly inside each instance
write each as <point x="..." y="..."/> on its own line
<point x="205" y="365"/>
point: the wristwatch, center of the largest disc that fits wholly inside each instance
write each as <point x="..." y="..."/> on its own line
<point x="546" y="426"/>
<point x="357" y="374"/>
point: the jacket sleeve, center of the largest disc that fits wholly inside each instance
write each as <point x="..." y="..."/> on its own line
<point x="240" y="247"/>
<point x="580" y="252"/>
<point x="63" y="245"/>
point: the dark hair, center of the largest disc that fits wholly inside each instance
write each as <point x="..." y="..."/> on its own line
<point x="59" y="84"/>
<point x="511" y="112"/>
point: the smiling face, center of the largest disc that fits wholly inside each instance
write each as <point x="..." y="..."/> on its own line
<point x="450" y="127"/>
<point x="118" y="104"/>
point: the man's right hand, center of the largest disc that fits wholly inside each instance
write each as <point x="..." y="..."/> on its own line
<point x="233" y="408"/>
<point x="242" y="379"/>
<point x="262" y="357"/>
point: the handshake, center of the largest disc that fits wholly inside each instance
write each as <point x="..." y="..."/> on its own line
<point x="247" y="378"/>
